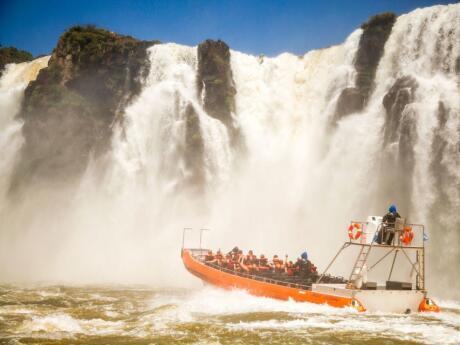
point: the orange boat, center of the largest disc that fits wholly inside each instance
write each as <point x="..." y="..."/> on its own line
<point x="397" y="297"/>
<point x="259" y="286"/>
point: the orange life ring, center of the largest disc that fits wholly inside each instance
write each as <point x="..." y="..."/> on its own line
<point x="354" y="235"/>
<point x="407" y="236"/>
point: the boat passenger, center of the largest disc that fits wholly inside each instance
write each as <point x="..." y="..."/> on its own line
<point x="277" y="264"/>
<point x="237" y="257"/>
<point x="252" y="262"/>
<point x="387" y="230"/>
<point x="235" y="254"/>
<point x="219" y="257"/>
<point x="289" y="269"/>
<point x="303" y="267"/>
<point x="228" y="263"/>
<point x="209" y="257"/>
<point x="298" y="266"/>
<point x="245" y="262"/>
<point x="263" y="265"/>
<point x="234" y="250"/>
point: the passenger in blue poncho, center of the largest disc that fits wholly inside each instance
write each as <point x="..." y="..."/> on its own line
<point x="387" y="231"/>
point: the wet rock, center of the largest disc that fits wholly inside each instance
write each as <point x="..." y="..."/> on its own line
<point x="395" y="101"/>
<point x="400" y="134"/>
<point x="438" y="166"/>
<point x="440" y="213"/>
<point x="215" y="83"/>
<point x="68" y="111"/>
<point x="350" y="101"/>
<point x="371" y="46"/>
<point x="194" y="150"/>
<point x="370" y="50"/>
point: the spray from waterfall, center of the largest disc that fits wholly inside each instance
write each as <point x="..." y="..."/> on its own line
<point x="296" y="187"/>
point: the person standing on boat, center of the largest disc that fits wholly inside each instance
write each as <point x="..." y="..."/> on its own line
<point x="303" y="266"/>
<point x="387" y="231"/>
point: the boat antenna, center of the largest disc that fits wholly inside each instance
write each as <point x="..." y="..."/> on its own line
<point x="183" y="236"/>
<point x="201" y="235"/>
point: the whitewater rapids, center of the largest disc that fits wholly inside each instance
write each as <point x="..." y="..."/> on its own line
<point x="142" y="315"/>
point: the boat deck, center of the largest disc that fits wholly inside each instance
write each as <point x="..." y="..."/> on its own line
<point x="298" y="282"/>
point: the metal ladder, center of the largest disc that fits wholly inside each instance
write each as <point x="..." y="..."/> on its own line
<point x="360" y="262"/>
<point x="421" y="270"/>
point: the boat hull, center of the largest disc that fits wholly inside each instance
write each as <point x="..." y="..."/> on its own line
<point x="259" y="288"/>
<point x="335" y="295"/>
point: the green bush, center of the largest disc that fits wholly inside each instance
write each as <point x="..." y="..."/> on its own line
<point x="13" y="55"/>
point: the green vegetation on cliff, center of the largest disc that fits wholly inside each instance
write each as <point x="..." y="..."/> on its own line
<point x="12" y="55"/>
<point x="68" y="111"/>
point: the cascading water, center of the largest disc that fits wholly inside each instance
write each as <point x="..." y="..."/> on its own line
<point x="425" y="47"/>
<point x="296" y="187"/>
<point x="12" y="84"/>
<point x="151" y="140"/>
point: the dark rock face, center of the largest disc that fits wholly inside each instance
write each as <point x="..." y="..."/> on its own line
<point x="194" y="149"/>
<point x="398" y="142"/>
<point x="395" y="101"/>
<point x="216" y="89"/>
<point x="350" y="101"/>
<point x="371" y="46"/>
<point x="439" y="170"/>
<point x="69" y="109"/>
<point x="444" y="182"/>
<point x="12" y="55"/>
<point x="215" y="83"/>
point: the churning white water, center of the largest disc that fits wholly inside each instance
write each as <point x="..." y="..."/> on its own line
<point x="297" y="185"/>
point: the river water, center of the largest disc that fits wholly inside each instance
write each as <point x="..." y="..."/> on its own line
<point x="144" y="315"/>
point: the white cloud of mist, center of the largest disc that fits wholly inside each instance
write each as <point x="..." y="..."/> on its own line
<point x="297" y="189"/>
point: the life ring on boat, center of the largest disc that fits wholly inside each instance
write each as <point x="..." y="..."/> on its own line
<point x="407" y="235"/>
<point x="351" y="231"/>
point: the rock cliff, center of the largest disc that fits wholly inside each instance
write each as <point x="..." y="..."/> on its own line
<point x="215" y="83"/>
<point x="69" y="109"/>
<point x="370" y="50"/>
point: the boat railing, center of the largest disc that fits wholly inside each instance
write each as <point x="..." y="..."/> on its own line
<point x="259" y="277"/>
<point x="199" y="254"/>
<point x="379" y="234"/>
<point x="394" y="238"/>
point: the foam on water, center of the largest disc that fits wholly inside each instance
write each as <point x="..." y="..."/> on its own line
<point x="212" y="301"/>
<point x="56" y="323"/>
<point x="212" y="314"/>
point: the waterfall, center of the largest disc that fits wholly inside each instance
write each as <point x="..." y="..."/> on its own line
<point x="297" y="184"/>
<point x="425" y="47"/>
<point x="151" y="139"/>
<point x="12" y="84"/>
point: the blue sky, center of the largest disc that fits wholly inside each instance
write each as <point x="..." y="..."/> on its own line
<point x="254" y="26"/>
